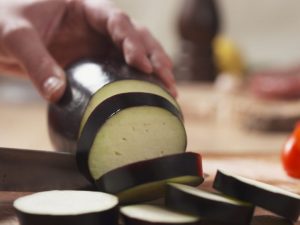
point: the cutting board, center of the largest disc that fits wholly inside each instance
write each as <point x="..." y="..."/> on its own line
<point x="262" y="167"/>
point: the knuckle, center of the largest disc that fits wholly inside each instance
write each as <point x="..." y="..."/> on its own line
<point x="134" y="57"/>
<point x="119" y="17"/>
<point x="12" y="28"/>
<point x="156" y="60"/>
<point x="40" y="68"/>
<point x="133" y="45"/>
<point x="144" y="31"/>
<point x="45" y="63"/>
<point x="119" y="26"/>
<point x="131" y="58"/>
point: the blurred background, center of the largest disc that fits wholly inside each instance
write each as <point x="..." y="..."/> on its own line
<point x="251" y="36"/>
<point x="267" y="31"/>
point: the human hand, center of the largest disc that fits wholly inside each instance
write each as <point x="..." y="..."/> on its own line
<point x="39" y="37"/>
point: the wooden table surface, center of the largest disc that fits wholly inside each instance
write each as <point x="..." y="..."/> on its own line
<point x="211" y="128"/>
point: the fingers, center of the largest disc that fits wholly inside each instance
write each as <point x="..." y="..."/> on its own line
<point x="161" y="62"/>
<point x="26" y="46"/>
<point x="106" y="18"/>
<point x="124" y="35"/>
<point x="139" y="47"/>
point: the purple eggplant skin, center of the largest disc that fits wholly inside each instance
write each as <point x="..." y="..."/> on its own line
<point x="219" y="212"/>
<point x="107" y="109"/>
<point x="65" y="116"/>
<point x="143" y="172"/>
<point x="277" y="203"/>
<point x="108" y="217"/>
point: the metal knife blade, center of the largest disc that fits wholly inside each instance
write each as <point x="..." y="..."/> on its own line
<point x="31" y="171"/>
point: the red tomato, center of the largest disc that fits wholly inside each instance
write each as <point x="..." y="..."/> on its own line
<point x="290" y="156"/>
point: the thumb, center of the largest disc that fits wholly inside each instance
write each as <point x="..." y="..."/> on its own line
<point x="27" y="47"/>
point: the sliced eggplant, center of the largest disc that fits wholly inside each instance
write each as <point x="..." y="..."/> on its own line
<point x="150" y="214"/>
<point x="274" y="199"/>
<point x="67" y="207"/>
<point x="127" y="128"/>
<point x="90" y="82"/>
<point x="146" y="180"/>
<point x="209" y="205"/>
<point x="124" y="86"/>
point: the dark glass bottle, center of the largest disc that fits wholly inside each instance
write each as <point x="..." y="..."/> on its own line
<point x="198" y="25"/>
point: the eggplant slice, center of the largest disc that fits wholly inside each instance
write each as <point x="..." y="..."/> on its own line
<point x="90" y="82"/>
<point x="211" y="206"/>
<point x="67" y="207"/>
<point x="128" y="128"/>
<point x="146" y="180"/>
<point x="274" y="199"/>
<point x="124" y="86"/>
<point x="150" y="214"/>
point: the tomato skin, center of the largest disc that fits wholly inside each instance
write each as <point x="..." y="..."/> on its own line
<point x="290" y="156"/>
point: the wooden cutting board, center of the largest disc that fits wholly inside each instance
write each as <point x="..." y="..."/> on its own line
<point x="262" y="167"/>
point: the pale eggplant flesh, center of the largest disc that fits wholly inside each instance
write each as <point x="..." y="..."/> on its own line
<point x="146" y="214"/>
<point x="67" y="207"/>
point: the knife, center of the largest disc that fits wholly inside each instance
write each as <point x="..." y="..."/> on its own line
<point x="31" y="171"/>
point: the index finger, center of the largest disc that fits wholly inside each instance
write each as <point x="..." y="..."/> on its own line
<point x="161" y="62"/>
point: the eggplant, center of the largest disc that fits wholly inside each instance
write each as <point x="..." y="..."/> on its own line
<point x="146" y="180"/>
<point x="211" y="206"/>
<point x="127" y="128"/>
<point x="67" y="207"/>
<point x="274" y="199"/>
<point x="150" y="214"/>
<point x="90" y="82"/>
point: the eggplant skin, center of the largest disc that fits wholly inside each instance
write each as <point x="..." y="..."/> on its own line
<point x="147" y="171"/>
<point x="107" y="109"/>
<point x="65" y="116"/>
<point x="217" y="212"/>
<point x="108" y="217"/>
<point x="277" y="203"/>
<point x="84" y="79"/>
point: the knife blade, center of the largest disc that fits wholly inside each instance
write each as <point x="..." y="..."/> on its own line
<point x="31" y="171"/>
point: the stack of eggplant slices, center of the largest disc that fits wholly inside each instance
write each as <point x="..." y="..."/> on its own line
<point x="129" y="139"/>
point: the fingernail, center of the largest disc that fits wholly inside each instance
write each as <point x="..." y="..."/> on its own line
<point x="52" y="87"/>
